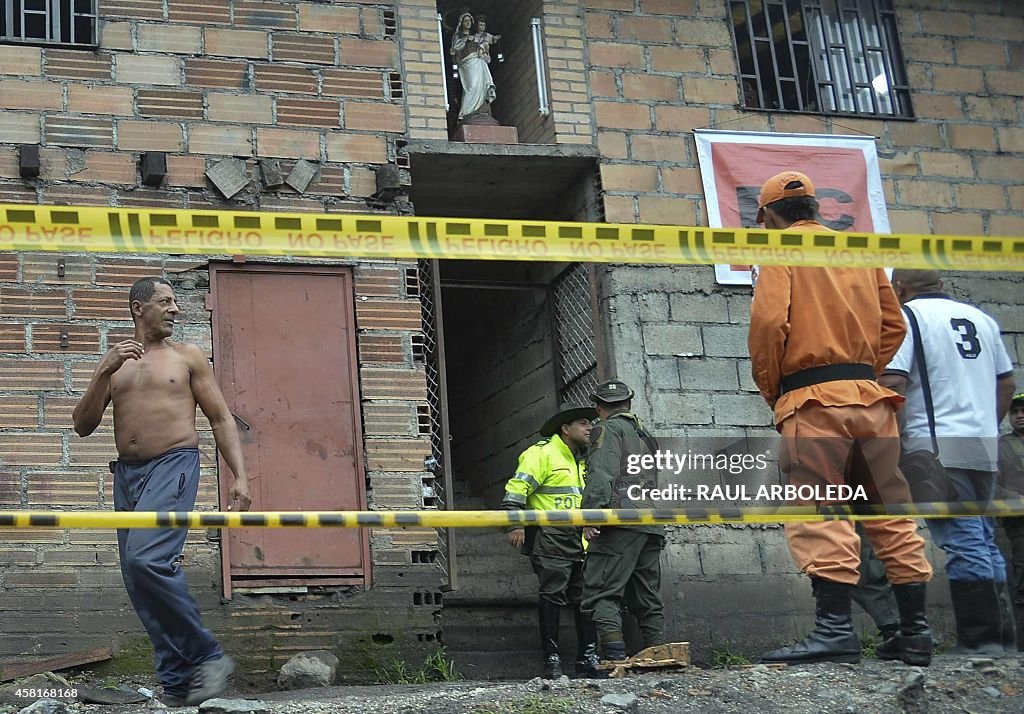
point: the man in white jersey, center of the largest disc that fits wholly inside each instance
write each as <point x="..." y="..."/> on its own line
<point x="971" y="383"/>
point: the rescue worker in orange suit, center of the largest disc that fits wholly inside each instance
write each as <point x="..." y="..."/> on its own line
<point x="550" y="476"/>
<point x="819" y="338"/>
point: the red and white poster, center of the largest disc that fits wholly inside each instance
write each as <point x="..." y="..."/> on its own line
<point x="844" y="170"/>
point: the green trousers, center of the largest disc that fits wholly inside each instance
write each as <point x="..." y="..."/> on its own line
<point x="623" y="568"/>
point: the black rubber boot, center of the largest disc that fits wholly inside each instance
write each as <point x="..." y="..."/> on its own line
<point x="833" y="638"/>
<point x="1007" y="621"/>
<point x="547" y="614"/>
<point x="887" y="631"/>
<point x="978" y="625"/>
<point x="614" y="651"/>
<point x="586" y="647"/>
<point x="913" y="643"/>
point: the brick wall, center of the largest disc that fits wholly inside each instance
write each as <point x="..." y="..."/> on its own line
<point x="657" y="71"/>
<point x="201" y="80"/>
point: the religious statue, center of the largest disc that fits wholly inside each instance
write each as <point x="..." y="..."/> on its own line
<point x="471" y="48"/>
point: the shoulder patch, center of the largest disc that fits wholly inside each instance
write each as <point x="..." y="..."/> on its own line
<point x="596" y="436"/>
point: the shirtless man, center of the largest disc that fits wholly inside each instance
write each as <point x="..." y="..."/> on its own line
<point x="155" y="385"/>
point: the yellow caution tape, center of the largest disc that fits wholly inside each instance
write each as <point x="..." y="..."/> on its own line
<point x="202" y="232"/>
<point x="490" y="519"/>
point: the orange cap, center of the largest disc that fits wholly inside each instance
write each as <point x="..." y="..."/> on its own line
<point x="774" y="189"/>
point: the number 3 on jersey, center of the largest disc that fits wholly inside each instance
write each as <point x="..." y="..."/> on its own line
<point x="968" y="346"/>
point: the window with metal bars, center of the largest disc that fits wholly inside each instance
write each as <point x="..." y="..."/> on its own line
<point x="49" y="22"/>
<point x="821" y="56"/>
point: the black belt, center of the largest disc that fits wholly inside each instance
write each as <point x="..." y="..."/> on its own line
<point x="825" y="373"/>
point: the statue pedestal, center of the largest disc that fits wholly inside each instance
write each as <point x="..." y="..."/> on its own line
<point x="486" y="134"/>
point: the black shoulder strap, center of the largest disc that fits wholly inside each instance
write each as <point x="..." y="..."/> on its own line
<point x="922" y="370"/>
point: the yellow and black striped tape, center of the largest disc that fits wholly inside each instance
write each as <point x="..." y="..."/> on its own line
<point x="202" y="232"/>
<point x="489" y="519"/>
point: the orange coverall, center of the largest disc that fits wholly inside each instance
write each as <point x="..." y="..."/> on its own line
<point x="810" y="317"/>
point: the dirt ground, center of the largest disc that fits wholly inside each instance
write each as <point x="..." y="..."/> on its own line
<point x="951" y="684"/>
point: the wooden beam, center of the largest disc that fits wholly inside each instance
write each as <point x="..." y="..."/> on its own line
<point x="16" y="670"/>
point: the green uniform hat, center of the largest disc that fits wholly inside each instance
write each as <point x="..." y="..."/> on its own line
<point x="612" y="391"/>
<point x="568" y="413"/>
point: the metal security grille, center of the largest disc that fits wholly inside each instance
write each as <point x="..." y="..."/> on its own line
<point x="438" y="490"/>
<point x="824" y="56"/>
<point x="63" y="22"/>
<point x="575" y="349"/>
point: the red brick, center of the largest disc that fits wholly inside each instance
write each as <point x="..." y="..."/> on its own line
<point x="657" y="148"/>
<point x="133" y="9"/>
<point x="678" y="8"/>
<point x="30" y="449"/>
<point x="278" y="78"/>
<point x="946" y="164"/>
<point x="387" y="419"/>
<point x="622" y="115"/>
<point x="86" y="99"/>
<point x="240" y="108"/>
<point x="667" y="211"/>
<point x="149" y="198"/>
<point x="362" y="182"/>
<point x="15" y="302"/>
<point x="602" y="84"/>
<point x="19" y="128"/>
<point x="8" y="267"/>
<point x="958" y="79"/>
<point x="12" y="337"/>
<point x="31" y="95"/>
<point x="16" y="193"/>
<point x="999" y="168"/>
<point x="169" y="103"/>
<point x="376" y="282"/>
<point x="649" y="86"/>
<point x="223" y="140"/>
<point x="334" y="20"/>
<point x="22" y="61"/>
<point x="216" y="74"/>
<point x="19" y="412"/>
<point x="1011" y="225"/>
<point x="57" y="410"/>
<point x="1004" y="82"/>
<point x="603" y="54"/>
<point x="373" y="21"/>
<point x="704" y="90"/>
<point x="986" y="54"/>
<point x="180" y="39"/>
<point x="148" y="69"/>
<point x="627" y="177"/>
<point x="396" y="454"/>
<point x="330" y="181"/>
<point x="308" y="49"/>
<point x="107" y="167"/>
<point x="597" y="25"/>
<point x="116" y="35"/>
<point x="648" y="29"/>
<point x="393" y="384"/>
<point x="99" y="305"/>
<point x="353" y="83"/>
<point x="958" y="223"/>
<point x="610" y="5"/>
<point x="612" y="145"/>
<point x="78" y="195"/>
<point x="374" y="116"/>
<point x="290" y="204"/>
<point x="200" y="12"/>
<point x="236" y="43"/>
<point x="938" y="106"/>
<point x="149" y="136"/>
<point x="372" y="348"/>
<point x="971" y="137"/>
<point x="44" y="269"/>
<point x="265" y="15"/>
<point x="31" y="375"/>
<point x="125" y="272"/>
<point x="920" y="192"/>
<point x="388" y="315"/>
<point x="367" y="53"/>
<point x="677" y="59"/>
<point x="286" y="143"/>
<point x="682" y="180"/>
<point x="79" y="131"/>
<point x="75" y="64"/>
<point x="308" y="112"/>
<point x="83" y="339"/>
<point x="356" y="148"/>
<point x="186" y="171"/>
<point x="915" y="134"/>
<point x="980" y="196"/>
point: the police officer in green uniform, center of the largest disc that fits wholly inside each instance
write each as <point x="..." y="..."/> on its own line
<point x="550" y="476"/>
<point x="1011" y="485"/>
<point x="623" y="563"/>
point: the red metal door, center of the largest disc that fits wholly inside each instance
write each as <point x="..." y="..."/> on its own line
<point x="285" y="356"/>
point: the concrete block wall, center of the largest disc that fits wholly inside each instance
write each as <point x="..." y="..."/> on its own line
<point x="657" y="71"/>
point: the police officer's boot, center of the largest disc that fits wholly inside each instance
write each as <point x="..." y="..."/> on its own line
<point x="547" y="614"/>
<point x="978" y="625"/>
<point x="1007" y="621"/>
<point x="913" y="642"/>
<point x="586" y="647"/>
<point x="833" y="638"/>
<point x="614" y="651"/>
